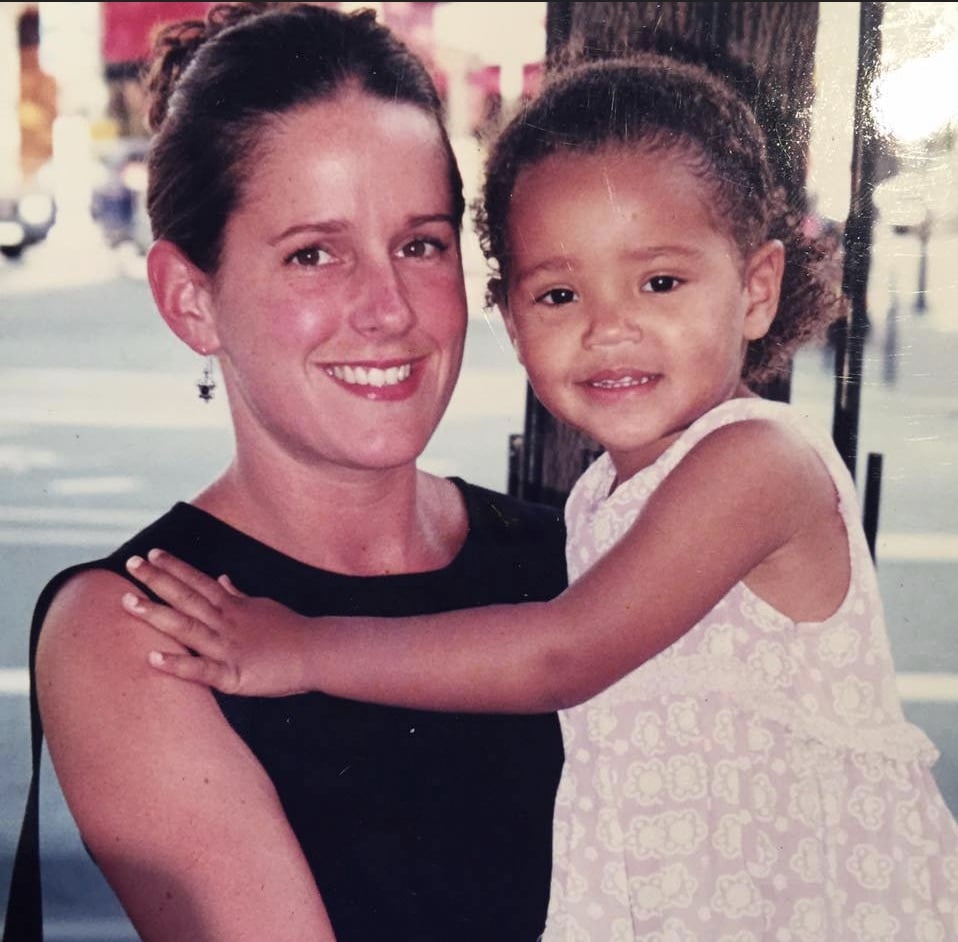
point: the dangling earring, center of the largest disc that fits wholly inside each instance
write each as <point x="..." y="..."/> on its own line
<point x="206" y="383"/>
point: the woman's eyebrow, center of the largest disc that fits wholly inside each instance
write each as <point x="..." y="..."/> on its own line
<point x="322" y="227"/>
<point x="336" y="226"/>
<point x="446" y="218"/>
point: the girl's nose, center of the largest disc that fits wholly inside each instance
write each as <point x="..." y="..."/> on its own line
<point x="613" y="321"/>
<point x="381" y="305"/>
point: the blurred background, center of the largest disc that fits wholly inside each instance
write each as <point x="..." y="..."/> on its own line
<point x="101" y="429"/>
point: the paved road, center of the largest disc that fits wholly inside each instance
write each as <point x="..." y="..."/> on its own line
<point x="100" y="429"/>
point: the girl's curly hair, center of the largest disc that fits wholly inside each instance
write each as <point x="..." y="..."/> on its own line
<point x="655" y="103"/>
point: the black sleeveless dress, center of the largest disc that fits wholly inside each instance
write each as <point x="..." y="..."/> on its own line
<point x="418" y="826"/>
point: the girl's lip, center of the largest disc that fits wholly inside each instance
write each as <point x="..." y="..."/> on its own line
<point x="620" y="379"/>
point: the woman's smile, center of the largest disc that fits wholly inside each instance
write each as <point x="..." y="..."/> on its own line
<point x="383" y="381"/>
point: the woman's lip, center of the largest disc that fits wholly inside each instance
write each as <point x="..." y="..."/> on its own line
<point x="381" y="380"/>
<point x="376" y="376"/>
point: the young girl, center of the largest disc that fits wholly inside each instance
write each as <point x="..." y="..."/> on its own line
<point x="738" y="767"/>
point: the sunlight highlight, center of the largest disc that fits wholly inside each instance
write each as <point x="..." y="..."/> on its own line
<point x="915" y="100"/>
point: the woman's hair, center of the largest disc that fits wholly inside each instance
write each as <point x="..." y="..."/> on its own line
<point x="217" y="87"/>
<point x="682" y="111"/>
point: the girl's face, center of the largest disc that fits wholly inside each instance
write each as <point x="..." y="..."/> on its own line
<point x="339" y="306"/>
<point x="629" y="307"/>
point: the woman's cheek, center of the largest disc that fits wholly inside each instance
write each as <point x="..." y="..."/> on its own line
<point x="296" y="318"/>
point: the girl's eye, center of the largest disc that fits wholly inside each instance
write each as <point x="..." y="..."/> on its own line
<point x="661" y="284"/>
<point x="309" y="257"/>
<point x="423" y="248"/>
<point x="555" y="297"/>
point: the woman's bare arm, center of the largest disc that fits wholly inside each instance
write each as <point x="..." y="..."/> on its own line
<point x="180" y="816"/>
<point x="752" y="501"/>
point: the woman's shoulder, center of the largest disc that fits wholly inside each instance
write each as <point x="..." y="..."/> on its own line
<point x="504" y="517"/>
<point x="92" y="579"/>
<point x="514" y="543"/>
<point x="85" y="649"/>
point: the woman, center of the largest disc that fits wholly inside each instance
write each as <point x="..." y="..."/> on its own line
<point x="306" y="206"/>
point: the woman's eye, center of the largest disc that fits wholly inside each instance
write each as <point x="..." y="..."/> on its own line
<point x="422" y="248"/>
<point x="661" y="284"/>
<point x="309" y="257"/>
<point x="556" y="296"/>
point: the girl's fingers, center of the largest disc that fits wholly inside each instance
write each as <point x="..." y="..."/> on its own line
<point x="199" y="670"/>
<point x="191" y="632"/>
<point x="189" y="575"/>
<point x="193" y="598"/>
<point x="227" y="584"/>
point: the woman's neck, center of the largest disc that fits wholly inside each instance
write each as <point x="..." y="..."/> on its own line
<point x="356" y="522"/>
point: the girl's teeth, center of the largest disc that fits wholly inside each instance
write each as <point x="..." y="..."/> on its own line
<point x="371" y="376"/>
<point x="624" y="381"/>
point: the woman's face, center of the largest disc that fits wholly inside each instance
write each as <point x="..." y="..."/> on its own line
<point x="339" y="304"/>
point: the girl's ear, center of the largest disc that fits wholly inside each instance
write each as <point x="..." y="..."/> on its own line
<point x="763" y="286"/>
<point x="182" y="294"/>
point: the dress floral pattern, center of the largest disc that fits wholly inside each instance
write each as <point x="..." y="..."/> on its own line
<point x="756" y="781"/>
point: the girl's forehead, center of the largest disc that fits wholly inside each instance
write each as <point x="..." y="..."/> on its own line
<point x="592" y="207"/>
<point x="618" y="175"/>
<point x="620" y="157"/>
<point x="608" y="170"/>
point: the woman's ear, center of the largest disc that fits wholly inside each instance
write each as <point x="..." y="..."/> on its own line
<point x="763" y="286"/>
<point x="182" y="295"/>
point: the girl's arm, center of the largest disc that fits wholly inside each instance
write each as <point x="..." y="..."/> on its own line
<point x="750" y="501"/>
<point x="177" y="812"/>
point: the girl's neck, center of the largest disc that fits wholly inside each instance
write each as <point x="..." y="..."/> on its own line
<point x="355" y="522"/>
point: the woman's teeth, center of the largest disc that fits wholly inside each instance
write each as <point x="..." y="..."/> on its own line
<point x="371" y="376"/>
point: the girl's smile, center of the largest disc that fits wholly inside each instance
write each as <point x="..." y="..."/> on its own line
<point x="623" y="381"/>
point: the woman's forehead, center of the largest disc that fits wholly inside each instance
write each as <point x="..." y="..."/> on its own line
<point x="385" y="138"/>
<point x="335" y="165"/>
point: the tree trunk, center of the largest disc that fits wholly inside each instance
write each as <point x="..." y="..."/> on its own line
<point x="767" y="50"/>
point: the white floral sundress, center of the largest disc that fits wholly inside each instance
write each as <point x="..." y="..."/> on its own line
<point x="757" y="780"/>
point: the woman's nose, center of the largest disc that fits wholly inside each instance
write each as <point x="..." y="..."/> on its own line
<point x="381" y="304"/>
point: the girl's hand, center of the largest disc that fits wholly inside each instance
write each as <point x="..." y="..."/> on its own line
<point x="243" y="645"/>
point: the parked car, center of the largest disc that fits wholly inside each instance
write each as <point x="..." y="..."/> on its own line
<point x="27" y="213"/>
<point x="119" y="197"/>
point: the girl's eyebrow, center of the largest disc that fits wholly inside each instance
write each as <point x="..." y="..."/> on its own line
<point x="336" y="226"/>
<point x="652" y="252"/>
<point x="551" y="264"/>
<point x="646" y="254"/>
